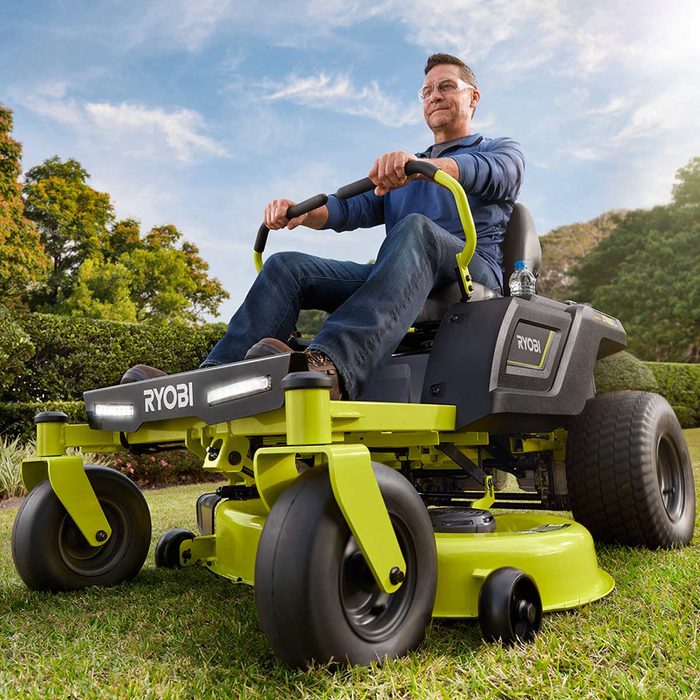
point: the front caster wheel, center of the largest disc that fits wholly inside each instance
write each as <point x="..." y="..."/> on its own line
<point x="316" y="597"/>
<point x="168" y="548"/>
<point x="50" y="553"/>
<point x="510" y="607"/>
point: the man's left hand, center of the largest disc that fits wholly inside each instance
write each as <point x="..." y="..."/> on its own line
<point x="388" y="172"/>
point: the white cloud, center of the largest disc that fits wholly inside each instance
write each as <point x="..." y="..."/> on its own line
<point x="136" y="129"/>
<point x="339" y="94"/>
<point x="63" y="111"/>
<point x="181" y="129"/>
<point x="184" y="22"/>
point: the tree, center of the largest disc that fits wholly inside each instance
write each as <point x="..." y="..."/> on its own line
<point x="72" y="219"/>
<point x="686" y="189"/>
<point x="149" y="278"/>
<point x="646" y="273"/>
<point x="23" y="261"/>
<point x="564" y="246"/>
<point x="101" y="290"/>
<point x="171" y="281"/>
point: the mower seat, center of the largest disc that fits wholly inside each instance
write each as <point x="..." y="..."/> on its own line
<point x="520" y="243"/>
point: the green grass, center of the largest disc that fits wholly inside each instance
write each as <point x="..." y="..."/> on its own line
<point x="190" y="634"/>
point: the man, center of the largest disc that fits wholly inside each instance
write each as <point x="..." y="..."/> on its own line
<point x="372" y="306"/>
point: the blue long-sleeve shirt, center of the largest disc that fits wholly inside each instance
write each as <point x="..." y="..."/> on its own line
<point x="491" y="172"/>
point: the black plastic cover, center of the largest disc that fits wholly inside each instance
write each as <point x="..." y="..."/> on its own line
<point x="185" y="395"/>
<point x="517" y="364"/>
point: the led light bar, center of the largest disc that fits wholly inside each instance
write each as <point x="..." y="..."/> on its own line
<point x="239" y="390"/>
<point x="114" y="410"/>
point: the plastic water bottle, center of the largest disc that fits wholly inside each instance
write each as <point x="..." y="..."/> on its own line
<point x="522" y="281"/>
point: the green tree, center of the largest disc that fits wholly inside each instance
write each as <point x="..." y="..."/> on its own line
<point x="72" y="219"/>
<point x="646" y="273"/>
<point x="102" y="290"/>
<point x="686" y="189"/>
<point x="23" y="261"/>
<point x="170" y="279"/>
<point x="564" y="246"/>
<point x="157" y="277"/>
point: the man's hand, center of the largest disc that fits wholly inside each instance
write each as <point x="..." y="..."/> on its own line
<point x="275" y="216"/>
<point x="388" y="172"/>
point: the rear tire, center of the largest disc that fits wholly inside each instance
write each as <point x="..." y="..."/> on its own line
<point x="316" y="597"/>
<point x="51" y="554"/>
<point x="628" y="471"/>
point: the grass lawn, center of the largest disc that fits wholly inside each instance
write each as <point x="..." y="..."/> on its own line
<point x="190" y="634"/>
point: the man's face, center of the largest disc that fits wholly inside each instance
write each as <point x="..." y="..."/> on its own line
<point x="448" y="112"/>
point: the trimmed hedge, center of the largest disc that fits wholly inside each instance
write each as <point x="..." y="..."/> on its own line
<point x="74" y="355"/>
<point x="680" y="384"/>
<point x="15" y="349"/>
<point x="623" y="371"/>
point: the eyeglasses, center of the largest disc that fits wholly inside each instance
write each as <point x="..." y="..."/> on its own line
<point x="444" y="87"/>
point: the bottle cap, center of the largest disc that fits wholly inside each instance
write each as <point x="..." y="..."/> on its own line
<point x="520" y="265"/>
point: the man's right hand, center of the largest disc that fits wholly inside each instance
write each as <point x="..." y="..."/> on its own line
<point x="275" y="216"/>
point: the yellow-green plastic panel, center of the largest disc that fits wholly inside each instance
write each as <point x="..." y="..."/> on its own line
<point x="557" y="552"/>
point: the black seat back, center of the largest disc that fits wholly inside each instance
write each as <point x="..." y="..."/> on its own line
<point x="520" y="242"/>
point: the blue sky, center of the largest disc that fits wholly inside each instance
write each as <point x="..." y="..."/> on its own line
<point x="198" y="112"/>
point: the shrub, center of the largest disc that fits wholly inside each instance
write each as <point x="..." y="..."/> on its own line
<point x="166" y="468"/>
<point x="12" y="452"/>
<point x="74" y="355"/>
<point x="623" y="371"/>
<point x="17" y="419"/>
<point x="680" y="384"/>
<point x="15" y="349"/>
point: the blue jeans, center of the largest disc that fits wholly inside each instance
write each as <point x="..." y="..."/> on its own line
<point x="371" y="306"/>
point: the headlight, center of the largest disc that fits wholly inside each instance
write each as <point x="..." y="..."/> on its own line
<point x="114" y="410"/>
<point x="239" y="390"/>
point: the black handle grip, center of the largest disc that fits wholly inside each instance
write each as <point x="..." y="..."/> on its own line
<point x="318" y="200"/>
<point x="421" y="167"/>
<point x="413" y="167"/>
<point x="261" y="239"/>
<point x="355" y="188"/>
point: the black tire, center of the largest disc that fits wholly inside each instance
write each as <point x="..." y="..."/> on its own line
<point x="510" y="607"/>
<point x="629" y="473"/>
<point x="51" y="554"/>
<point x="316" y="598"/>
<point x="168" y="548"/>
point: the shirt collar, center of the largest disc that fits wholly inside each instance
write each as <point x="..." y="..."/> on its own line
<point x="437" y="149"/>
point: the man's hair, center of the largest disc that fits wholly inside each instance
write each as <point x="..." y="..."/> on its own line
<point x="439" y="59"/>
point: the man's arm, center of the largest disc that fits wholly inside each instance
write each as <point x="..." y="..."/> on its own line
<point x="494" y="174"/>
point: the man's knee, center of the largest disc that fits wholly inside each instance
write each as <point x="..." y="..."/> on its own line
<point x="286" y="262"/>
<point x="418" y="230"/>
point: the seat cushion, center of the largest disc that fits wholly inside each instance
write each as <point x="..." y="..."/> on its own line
<point x="441" y="298"/>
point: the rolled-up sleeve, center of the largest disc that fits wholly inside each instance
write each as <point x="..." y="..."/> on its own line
<point x="364" y="211"/>
<point x="495" y="173"/>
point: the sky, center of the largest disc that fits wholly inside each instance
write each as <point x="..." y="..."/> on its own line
<point x="197" y="113"/>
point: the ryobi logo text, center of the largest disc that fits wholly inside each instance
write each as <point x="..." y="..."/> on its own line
<point x="525" y="342"/>
<point x="168" y="397"/>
